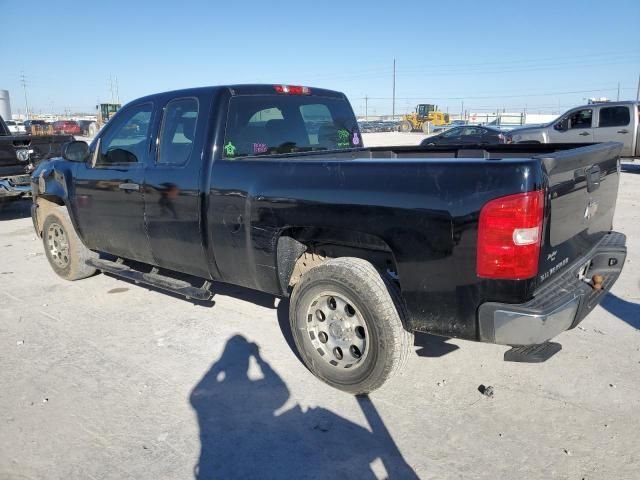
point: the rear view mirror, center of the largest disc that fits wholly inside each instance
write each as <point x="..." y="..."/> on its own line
<point x="76" y="151"/>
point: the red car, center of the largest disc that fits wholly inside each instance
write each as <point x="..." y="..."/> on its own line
<point x="68" y="127"/>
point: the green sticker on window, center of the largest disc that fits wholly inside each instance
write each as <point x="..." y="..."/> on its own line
<point x="343" y="139"/>
<point x="230" y="149"/>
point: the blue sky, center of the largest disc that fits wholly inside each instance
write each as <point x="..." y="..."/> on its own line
<point x="542" y="55"/>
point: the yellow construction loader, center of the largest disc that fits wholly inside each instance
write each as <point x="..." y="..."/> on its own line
<point x="424" y="118"/>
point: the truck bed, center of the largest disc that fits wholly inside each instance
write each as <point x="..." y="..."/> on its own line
<point x="423" y="203"/>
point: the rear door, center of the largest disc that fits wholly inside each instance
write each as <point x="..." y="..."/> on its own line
<point x="108" y="198"/>
<point x="614" y="125"/>
<point x="472" y="135"/>
<point x="173" y="195"/>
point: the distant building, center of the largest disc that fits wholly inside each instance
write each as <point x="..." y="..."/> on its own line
<point x="5" y="105"/>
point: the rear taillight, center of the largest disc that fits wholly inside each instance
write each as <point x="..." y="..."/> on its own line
<point x="509" y="235"/>
<point x="292" y="89"/>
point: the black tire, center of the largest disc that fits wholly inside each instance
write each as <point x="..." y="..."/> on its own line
<point x="378" y="305"/>
<point x="406" y="127"/>
<point x="65" y="251"/>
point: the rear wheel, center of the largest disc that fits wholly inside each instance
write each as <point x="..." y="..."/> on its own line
<point x="346" y="319"/>
<point x="65" y="251"/>
<point x="406" y="126"/>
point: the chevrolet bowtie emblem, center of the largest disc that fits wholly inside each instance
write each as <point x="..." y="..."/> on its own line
<point x="590" y="211"/>
<point x="22" y="154"/>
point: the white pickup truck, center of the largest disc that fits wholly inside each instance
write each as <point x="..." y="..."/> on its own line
<point x="597" y="122"/>
<point x="16" y="127"/>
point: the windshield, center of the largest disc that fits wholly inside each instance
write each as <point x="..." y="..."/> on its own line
<point x="272" y="124"/>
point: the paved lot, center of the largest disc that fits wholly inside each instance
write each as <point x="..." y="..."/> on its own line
<point x="107" y="380"/>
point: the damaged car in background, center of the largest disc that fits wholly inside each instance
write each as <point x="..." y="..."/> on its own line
<point x="20" y="155"/>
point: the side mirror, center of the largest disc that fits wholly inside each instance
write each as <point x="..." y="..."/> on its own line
<point x="561" y="126"/>
<point x="76" y="151"/>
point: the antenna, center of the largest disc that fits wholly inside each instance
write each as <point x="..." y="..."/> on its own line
<point x="393" y="108"/>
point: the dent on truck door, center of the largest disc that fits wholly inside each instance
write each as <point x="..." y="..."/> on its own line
<point x="107" y="197"/>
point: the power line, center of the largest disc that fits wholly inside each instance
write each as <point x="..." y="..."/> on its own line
<point x="518" y="95"/>
<point x="503" y="66"/>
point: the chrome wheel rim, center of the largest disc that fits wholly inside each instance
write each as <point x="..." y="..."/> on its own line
<point x="337" y="330"/>
<point x="58" y="244"/>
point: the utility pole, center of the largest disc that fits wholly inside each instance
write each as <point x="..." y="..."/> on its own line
<point x="23" y="81"/>
<point x="393" y="107"/>
<point x="618" y="99"/>
<point x="366" y="108"/>
<point x="462" y="110"/>
<point x="117" y="92"/>
<point x="638" y="92"/>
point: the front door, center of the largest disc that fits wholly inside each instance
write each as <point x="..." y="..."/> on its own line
<point x="575" y="127"/>
<point x="108" y="196"/>
<point x="614" y="125"/>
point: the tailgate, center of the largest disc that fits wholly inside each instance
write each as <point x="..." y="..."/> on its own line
<point x="583" y="187"/>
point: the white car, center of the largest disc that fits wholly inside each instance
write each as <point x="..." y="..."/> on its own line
<point x="16" y="127"/>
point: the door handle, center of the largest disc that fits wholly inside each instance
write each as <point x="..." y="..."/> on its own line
<point x="584" y="133"/>
<point x="623" y="131"/>
<point x="129" y="187"/>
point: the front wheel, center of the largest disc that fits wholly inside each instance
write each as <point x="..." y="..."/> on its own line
<point x="406" y="127"/>
<point x="65" y="251"/>
<point x="346" y="319"/>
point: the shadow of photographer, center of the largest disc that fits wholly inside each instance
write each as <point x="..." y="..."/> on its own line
<point x="245" y="433"/>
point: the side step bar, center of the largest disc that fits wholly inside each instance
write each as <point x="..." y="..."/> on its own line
<point x="153" y="278"/>
<point x="532" y="353"/>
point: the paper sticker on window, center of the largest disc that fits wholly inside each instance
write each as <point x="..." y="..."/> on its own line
<point x="260" y="148"/>
<point x="355" y="140"/>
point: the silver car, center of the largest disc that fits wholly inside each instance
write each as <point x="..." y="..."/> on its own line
<point x="597" y="122"/>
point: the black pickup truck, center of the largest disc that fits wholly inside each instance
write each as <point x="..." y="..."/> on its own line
<point x="19" y="156"/>
<point x="269" y="187"/>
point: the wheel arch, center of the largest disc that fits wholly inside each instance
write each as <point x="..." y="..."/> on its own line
<point x="301" y="248"/>
<point x="45" y="205"/>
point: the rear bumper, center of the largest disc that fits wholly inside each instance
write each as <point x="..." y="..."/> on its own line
<point x="560" y="304"/>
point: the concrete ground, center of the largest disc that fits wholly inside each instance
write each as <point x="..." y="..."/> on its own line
<point x="102" y="379"/>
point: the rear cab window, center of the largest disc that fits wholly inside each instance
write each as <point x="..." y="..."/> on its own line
<point x="617" y="116"/>
<point x="271" y="124"/>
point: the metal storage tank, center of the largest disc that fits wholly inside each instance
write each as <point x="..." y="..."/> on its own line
<point x="5" y="105"/>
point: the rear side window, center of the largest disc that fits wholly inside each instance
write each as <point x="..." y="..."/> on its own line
<point x="178" y="131"/>
<point x="452" y="133"/>
<point x="259" y="125"/>
<point x="614" y="117"/>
